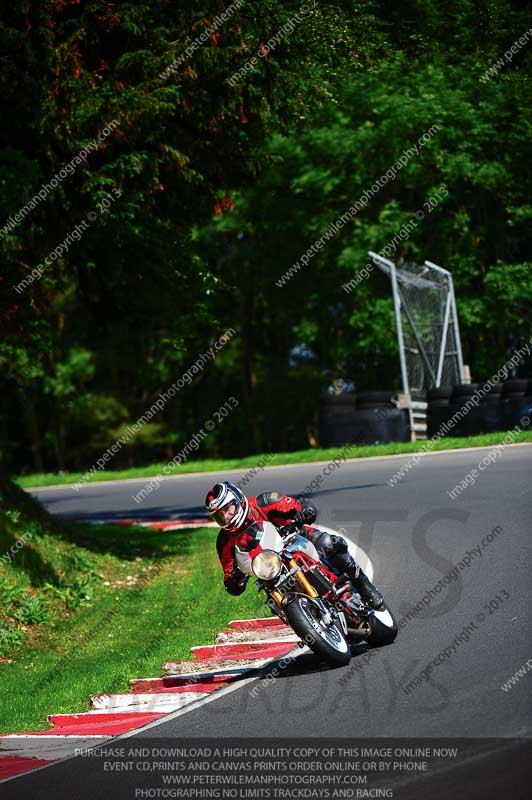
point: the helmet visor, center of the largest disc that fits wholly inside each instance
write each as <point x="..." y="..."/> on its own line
<point x="224" y="516"/>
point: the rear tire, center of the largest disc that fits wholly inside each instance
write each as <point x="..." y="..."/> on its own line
<point x="328" y="643"/>
<point x="383" y="628"/>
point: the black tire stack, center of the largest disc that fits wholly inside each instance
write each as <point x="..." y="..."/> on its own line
<point x="437" y="408"/>
<point x="513" y="402"/>
<point x="373" y="417"/>
<point x="491" y="410"/>
<point x="500" y="409"/>
<point x="378" y="420"/>
<point x="337" y="419"/>
<point x="369" y="418"/>
<point x="527" y="404"/>
<point x="470" y="423"/>
<point x="368" y="400"/>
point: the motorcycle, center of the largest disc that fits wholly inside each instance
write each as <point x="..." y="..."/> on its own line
<point x="305" y="594"/>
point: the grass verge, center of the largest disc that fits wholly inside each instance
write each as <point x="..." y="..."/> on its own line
<point x="145" y="598"/>
<point x="273" y="459"/>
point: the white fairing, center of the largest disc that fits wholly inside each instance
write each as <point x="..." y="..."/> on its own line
<point x="271" y="540"/>
<point x="243" y="561"/>
<point x="268" y="539"/>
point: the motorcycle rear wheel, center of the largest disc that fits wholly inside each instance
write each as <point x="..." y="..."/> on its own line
<point x="328" y="642"/>
<point x="383" y="628"/>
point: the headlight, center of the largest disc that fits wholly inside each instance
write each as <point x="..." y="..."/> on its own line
<point x="267" y="565"/>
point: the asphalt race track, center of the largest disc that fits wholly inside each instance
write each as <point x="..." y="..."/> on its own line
<point x="414" y="534"/>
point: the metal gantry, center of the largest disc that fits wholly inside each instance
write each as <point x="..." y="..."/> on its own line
<point x="428" y="333"/>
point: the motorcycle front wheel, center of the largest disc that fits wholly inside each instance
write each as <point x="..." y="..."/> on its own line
<point x="326" y="641"/>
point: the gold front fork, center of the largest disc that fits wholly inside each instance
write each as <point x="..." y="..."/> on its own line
<point x="277" y="596"/>
<point x="303" y="580"/>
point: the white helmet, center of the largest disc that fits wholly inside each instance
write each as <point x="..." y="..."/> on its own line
<point x="227" y="506"/>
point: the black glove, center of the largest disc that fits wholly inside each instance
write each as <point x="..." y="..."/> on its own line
<point x="236" y="581"/>
<point x="307" y="515"/>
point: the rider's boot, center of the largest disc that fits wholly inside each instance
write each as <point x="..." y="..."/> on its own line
<point x="360" y="582"/>
<point x="367" y="591"/>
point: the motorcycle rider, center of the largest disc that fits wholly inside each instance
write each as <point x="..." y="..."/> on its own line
<point x="229" y="507"/>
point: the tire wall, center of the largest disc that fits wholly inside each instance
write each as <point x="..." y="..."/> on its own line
<point x="373" y="417"/>
<point x="499" y="410"/>
<point x="369" y="419"/>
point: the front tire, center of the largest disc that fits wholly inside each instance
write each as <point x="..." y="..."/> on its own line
<point x="328" y="642"/>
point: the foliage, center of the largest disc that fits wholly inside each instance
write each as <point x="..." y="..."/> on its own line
<point x="177" y="606"/>
<point x="223" y="186"/>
